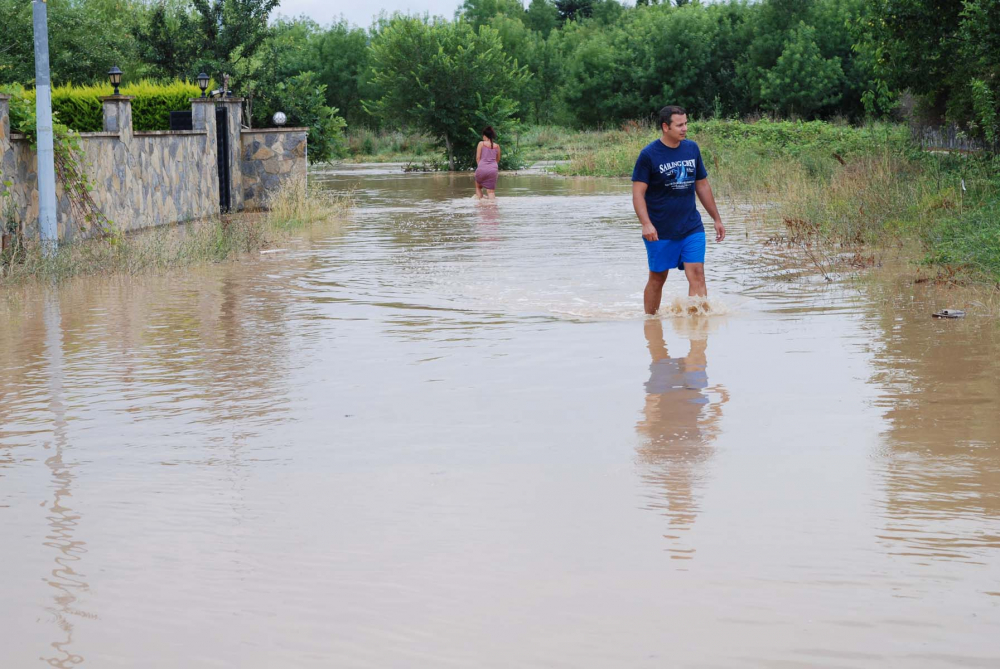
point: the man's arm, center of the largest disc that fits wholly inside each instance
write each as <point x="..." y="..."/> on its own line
<point x="704" y="192"/>
<point x="639" y="204"/>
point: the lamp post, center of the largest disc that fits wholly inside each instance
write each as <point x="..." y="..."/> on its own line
<point x="202" y="83"/>
<point x="115" y="75"/>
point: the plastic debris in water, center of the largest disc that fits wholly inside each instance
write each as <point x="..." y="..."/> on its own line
<point x="949" y="313"/>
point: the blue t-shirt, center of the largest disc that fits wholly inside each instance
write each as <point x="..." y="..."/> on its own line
<point x="671" y="174"/>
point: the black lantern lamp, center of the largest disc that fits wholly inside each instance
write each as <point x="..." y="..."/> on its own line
<point x="202" y="83"/>
<point x="115" y="75"/>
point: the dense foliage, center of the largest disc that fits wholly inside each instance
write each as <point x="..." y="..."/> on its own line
<point x="583" y="63"/>
<point x="946" y="52"/>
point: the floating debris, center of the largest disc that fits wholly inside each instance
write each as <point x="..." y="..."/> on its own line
<point x="949" y="313"/>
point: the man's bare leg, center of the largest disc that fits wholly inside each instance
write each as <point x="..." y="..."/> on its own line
<point x="695" y="272"/>
<point x="696" y="284"/>
<point x="654" y="291"/>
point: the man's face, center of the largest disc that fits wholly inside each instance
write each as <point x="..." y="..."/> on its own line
<point x="678" y="128"/>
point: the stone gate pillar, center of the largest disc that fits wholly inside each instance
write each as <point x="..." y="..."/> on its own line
<point x="203" y="118"/>
<point x="6" y="151"/>
<point x="118" y="115"/>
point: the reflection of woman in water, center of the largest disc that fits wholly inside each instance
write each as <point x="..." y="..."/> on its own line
<point x="487" y="165"/>
<point x="488" y="224"/>
<point x="680" y="421"/>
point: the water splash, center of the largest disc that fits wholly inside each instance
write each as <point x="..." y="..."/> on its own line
<point x="681" y="306"/>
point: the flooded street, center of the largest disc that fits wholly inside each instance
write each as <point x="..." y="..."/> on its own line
<point x="442" y="434"/>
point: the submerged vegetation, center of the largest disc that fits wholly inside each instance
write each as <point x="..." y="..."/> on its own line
<point x="211" y="240"/>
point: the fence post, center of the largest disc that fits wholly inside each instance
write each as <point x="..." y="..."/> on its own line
<point x="118" y="115"/>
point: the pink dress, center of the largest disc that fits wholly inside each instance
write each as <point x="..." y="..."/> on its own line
<point x="487" y="169"/>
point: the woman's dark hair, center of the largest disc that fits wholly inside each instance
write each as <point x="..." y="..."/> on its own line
<point x="667" y="114"/>
<point x="489" y="132"/>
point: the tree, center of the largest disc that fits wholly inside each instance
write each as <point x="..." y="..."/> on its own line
<point x="480" y="12"/>
<point x="86" y="37"/>
<point x="945" y="52"/>
<point x="338" y="56"/>
<point x="802" y="81"/>
<point x="541" y="16"/>
<point x="981" y="49"/>
<point x="529" y="49"/>
<point x="655" y="56"/>
<point x="574" y="10"/>
<point x="446" y="79"/>
<point x="607" y="12"/>
<point x="215" y="36"/>
<point x="769" y="27"/>
<point x="168" y="41"/>
<point x="592" y="83"/>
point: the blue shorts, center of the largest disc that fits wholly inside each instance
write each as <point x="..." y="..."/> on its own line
<point x="667" y="254"/>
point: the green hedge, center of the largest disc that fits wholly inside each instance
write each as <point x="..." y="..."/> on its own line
<point x="79" y="107"/>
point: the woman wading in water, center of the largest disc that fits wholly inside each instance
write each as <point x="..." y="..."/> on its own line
<point x="487" y="165"/>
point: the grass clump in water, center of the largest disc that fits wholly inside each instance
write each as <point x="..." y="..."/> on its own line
<point x="155" y="249"/>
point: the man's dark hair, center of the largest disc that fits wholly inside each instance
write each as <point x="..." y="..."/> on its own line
<point x="668" y="112"/>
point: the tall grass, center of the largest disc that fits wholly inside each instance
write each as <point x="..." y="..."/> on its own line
<point x="970" y="241"/>
<point x="366" y="145"/>
<point x="156" y="249"/>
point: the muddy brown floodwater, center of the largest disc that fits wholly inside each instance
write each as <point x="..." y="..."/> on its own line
<point x="443" y="435"/>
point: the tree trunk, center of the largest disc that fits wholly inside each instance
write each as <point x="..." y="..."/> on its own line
<point x="451" y="153"/>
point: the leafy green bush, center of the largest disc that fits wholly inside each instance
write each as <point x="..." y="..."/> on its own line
<point x="303" y="100"/>
<point x="79" y="107"/>
<point x="432" y="76"/>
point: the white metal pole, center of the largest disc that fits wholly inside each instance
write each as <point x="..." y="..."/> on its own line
<point x="43" y="111"/>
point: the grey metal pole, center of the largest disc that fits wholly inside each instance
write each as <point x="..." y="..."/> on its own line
<point x="43" y="110"/>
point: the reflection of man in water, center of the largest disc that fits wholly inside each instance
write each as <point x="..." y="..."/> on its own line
<point x="680" y="421"/>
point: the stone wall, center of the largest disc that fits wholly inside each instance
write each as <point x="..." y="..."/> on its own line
<point x="151" y="180"/>
<point x="142" y="179"/>
<point x="270" y="158"/>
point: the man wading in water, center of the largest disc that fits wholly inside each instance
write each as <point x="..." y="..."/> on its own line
<point x="667" y="175"/>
